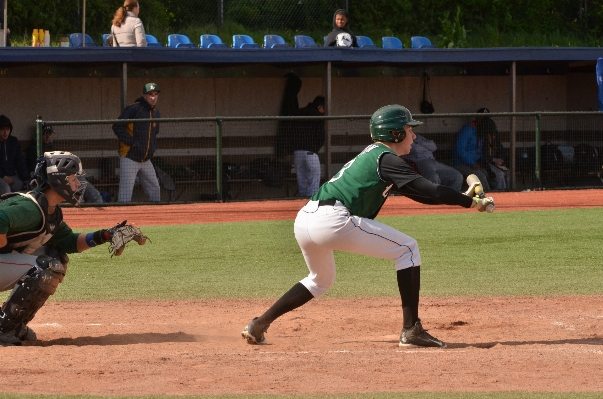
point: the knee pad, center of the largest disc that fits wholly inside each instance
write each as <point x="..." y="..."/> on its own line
<point x="31" y="292"/>
<point x="51" y="274"/>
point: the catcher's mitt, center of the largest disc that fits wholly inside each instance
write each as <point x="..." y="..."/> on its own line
<point x="121" y="235"/>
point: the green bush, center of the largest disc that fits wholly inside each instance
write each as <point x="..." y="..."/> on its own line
<point x="482" y="23"/>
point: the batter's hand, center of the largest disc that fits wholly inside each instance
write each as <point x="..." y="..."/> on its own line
<point x="475" y="187"/>
<point x="483" y="204"/>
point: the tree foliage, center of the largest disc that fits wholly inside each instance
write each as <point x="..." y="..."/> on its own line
<point x="62" y="17"/>
<point x="488" y="21"/>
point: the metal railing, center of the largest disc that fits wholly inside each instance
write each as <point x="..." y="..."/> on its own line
<point x="234" y="158"/>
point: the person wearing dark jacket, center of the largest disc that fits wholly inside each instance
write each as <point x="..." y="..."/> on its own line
<point x="308" y="138"/>
<point x="341" y="36"/>
<point x="137" y="144"/>
<point x="13" y="169"/>
<point x="303" y="139"/>
<point x="289" y="107"/>
<point x="493" y="154"/>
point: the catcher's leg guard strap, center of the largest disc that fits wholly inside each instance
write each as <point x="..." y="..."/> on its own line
<point x="31" y="292"/>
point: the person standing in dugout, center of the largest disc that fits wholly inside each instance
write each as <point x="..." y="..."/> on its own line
<point x="137" y="144"/>
<point x="35" y="241"/>
<point x="341" y="217"/>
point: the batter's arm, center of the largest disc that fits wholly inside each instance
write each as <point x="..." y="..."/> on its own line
<point x="414" y="186"/>
<point x="426" y="192"/>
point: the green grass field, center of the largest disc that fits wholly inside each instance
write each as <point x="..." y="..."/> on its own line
<point x="556" y="252"/>
<point x="508" y="253"/>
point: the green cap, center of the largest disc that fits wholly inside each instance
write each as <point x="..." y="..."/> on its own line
<point x="150" y="87"/>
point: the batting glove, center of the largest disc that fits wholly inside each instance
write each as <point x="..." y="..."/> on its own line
<point x="473" y="190"/>
<point x="483" y="204"/>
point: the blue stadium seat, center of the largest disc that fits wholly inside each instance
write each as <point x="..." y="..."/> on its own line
<point x="244" y="41"/>
<point x="152" y="41"/>
<point x="211" y="41"/>
<point x="274" y="41"/>
<point x="105" y="36"/>
<point x="302" y="41"/>
<point x="75" y="40"/>
<point x="324" y="39"/>
<point x="420" y="42"/>
<point x="391" y="42"/>
<point x="365" y="42"/>
<point x="176" y="40"/>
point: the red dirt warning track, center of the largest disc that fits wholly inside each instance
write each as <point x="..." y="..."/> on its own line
<point x="283" y="210"/>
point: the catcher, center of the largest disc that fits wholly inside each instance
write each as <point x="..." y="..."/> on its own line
<point x="34" y="242"/>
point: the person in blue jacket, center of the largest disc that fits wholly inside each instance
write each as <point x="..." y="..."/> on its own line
<point x="468" y="152"/>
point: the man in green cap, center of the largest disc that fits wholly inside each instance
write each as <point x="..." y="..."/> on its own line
<point x="137" y="144"/>
<point x="341" y="217"/>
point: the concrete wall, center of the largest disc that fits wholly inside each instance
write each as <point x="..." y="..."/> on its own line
<point x="99" y="98"/>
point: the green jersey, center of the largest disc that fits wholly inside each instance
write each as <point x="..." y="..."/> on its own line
<point x="25" y="220"/>
<point x="359" y="184"/>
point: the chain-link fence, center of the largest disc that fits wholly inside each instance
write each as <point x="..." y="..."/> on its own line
<point x="256" y="15"/>
<point x="208" y="159"/>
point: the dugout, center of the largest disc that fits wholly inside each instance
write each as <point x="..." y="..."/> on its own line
<point x="95" y="83"/>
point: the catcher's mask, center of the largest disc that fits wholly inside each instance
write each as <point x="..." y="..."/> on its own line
<point x="387" y="123"/>
<point x="54" y="169"/>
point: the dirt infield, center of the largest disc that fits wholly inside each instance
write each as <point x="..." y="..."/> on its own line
<point x="327" y="346"/>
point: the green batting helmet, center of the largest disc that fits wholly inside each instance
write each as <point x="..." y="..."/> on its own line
<point x="389" y="119"/>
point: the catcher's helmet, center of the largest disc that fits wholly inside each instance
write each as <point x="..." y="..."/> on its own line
<point x="5" y="122"/>
<point x="389" y="119"/>
<point x="54" y="168"/>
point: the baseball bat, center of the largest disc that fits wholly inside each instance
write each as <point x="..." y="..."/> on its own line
<point x="479" y="190"/>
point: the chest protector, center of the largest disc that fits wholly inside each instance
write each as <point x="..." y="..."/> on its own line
<point x="28" y="241"/>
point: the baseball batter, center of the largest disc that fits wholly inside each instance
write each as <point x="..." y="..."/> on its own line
<point x="340" y="217"/>
<point x="34" y="242"/>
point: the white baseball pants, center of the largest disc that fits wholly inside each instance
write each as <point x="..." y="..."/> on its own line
<point x="13" y="266"/>
<point x="321" y="230"/>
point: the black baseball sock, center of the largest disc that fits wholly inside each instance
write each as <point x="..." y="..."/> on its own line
<point x="409" y="284"/>
<point x="292" y="299"/>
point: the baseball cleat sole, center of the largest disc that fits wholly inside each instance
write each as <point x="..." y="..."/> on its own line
<point x="251" y="339"/>
<point x="406" y="345"/>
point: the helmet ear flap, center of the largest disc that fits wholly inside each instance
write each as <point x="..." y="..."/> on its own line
<point x="398" y="135"/>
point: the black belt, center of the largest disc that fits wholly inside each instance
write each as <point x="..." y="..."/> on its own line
<point x="329" y="202"/>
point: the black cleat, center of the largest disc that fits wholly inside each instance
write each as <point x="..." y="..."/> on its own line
<point x="9" y="340"/>
<point x="254" y="332"/>
<point x="416" y="337"/>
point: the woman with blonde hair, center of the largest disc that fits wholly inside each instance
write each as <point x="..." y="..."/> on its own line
<point x="127" y="28"/>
